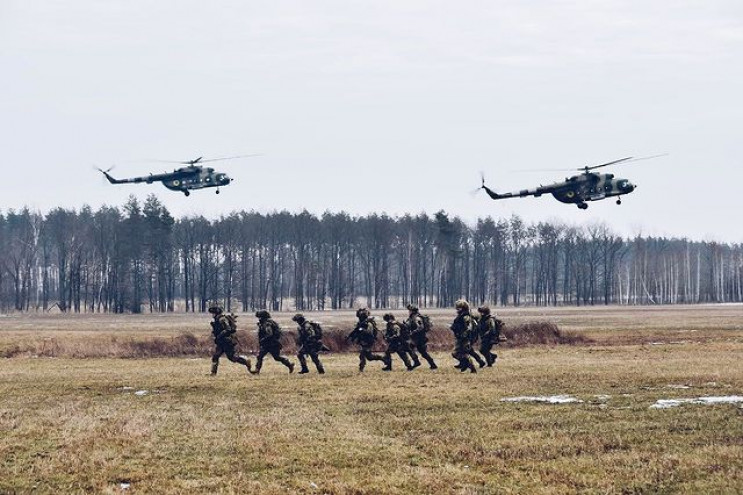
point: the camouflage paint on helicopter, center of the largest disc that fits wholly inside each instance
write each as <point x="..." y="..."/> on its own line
<point x="578" y="189"/>
<point x="184" y="179"/>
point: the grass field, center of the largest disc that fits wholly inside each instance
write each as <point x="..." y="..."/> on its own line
<point x="157" y="425"/>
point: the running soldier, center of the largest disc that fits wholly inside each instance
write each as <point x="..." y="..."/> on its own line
<point x="309" y="343"/>
<point x="489" y="328"/>
<point x="461" y="327"/>
<point x="395" y="343"/>
<point x="269" y="335"/>
<point x="418" y="325"/>
<point x="225" y="339"/>
<point x="365" y="335"/>
<point x="474" y="337"/>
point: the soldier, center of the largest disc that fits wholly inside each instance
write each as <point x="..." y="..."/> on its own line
<point x="489" y="328"/>
<point x="418" y="326"/>
<point x="225" y="339"/>
<point x="365" y="335"/>
<point x="309" y="342"/>
<point x="269" y="335"/>
<point x="462" y="326"/>
<point x="474" y="336"/>
<point x="395" y="343"/>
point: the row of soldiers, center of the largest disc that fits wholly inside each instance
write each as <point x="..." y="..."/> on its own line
<point x="407" y="339"/>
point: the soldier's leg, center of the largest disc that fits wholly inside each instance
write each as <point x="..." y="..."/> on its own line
<point x="423" y="349"/>
<point x="477" y="357"/>
<point x="215" y="360"/>
<point x="413" y="355"/>
<point x="236" y="358"/>
<point x="404" y="356"/>
<point x="362" y="360"/>
<point x="275" y="354"/>
<point x="388" y="359"/>
<point x="259" y="360"/>
<point x="485" y="347"/>
<point x="316" y="359"/>
<point x="302" y="362"/>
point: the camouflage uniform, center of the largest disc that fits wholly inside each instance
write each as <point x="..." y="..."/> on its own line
<point x="269" y="334"/>
<point x="474" y="337"/>
<point x="309" y="343"/>
<point x="396" y="343"/>
<point x="489" y="328"/>
<point x="418" y="339"/>
<point x="462" y="326"/>
<point x="225" y="340"/>
<point x="365" y="335"/>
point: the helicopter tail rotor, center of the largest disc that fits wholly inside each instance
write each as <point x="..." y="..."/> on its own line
<point x="474" y="192"/>
<point x="108" y="176"/>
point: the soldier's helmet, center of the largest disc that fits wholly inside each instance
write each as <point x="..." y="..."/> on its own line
<point x="462" y="305"/>
<point x="216" y="309"/>
<point x="388" y="317"/>
<point x="362" y="312"/>
<point x="299" y="318"/>
<point x="262" y="314"/>
<point x="412" y="308"/>
<point x="484" y="310"/>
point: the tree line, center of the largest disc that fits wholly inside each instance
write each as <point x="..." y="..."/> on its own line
<point x="139" y="258"/>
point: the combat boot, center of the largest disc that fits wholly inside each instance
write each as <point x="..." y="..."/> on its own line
<point x="416" y="361"/>
<point x="387" y="360"/>
<point x="318" y="365"/>
<point x="303" y="365"/>
<point x="215" y="366"/>
<point x="290" y="365"/>
<point x="258" y="367"/>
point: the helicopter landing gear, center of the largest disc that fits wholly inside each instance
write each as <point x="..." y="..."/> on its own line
<point x="619" y="201"/>
<point x="187" y="193"/>
<point x="582" y="206"/>
<point x="217" y="191"/>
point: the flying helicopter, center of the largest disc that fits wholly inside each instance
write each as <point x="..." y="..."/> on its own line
<point x="185" y="179"/>
<point x="578" y="189"/>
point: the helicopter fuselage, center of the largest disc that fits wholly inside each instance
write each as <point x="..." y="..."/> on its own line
<point x="590" y="187"/>
<point x="184" y="179"/>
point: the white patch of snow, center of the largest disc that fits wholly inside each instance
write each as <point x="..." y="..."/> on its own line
<point x="657" y="343"/>
<point x="603" y="397"/>
<point x="668" y="403"/>
<point x="141" y="392"/>
<point x="313" y="485"/>
<point x="680" y="387"/>
<point x="552" y="399"/>
<point x="127" y="388"/>
<point x="125" y="486"/>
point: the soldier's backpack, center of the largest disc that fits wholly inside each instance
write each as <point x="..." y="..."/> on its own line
<point x="427" y="323"/>
<point x="474" y="329"/>
<point x="232" y="321"/>
<point x="373" y="325"/>
<point x="317" y="328"/>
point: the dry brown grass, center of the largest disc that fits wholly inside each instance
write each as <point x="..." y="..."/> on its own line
<point x="73" y="425"/>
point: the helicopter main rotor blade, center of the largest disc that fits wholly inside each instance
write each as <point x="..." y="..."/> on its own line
<point x="201" y="160"/>
<point x="607" y="163"/>
<point x="625" y="160"/>
<point x="229" y="158"/>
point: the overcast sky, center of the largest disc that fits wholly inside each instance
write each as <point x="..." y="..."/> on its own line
<point x="384" y="106"/>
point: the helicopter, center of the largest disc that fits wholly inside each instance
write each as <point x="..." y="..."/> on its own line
<point x="578" y="189"/>
<point x="185" y="179"/>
